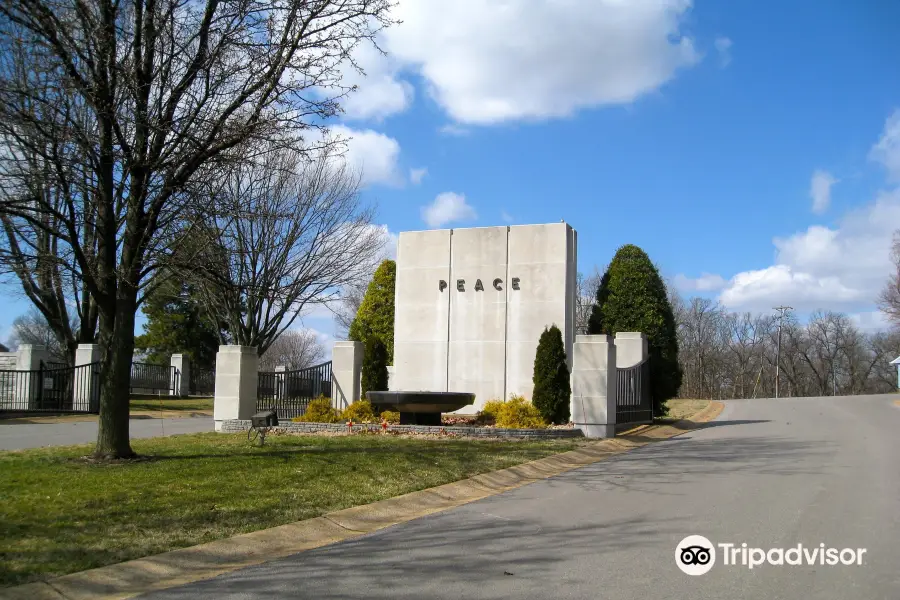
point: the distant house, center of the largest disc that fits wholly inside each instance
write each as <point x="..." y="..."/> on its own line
<point x="896" y="363"/>
<point x="5" y="349"/>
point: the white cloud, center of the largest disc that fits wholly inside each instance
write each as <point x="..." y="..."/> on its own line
<point x="837" y="268"/>
<point x="840" y="268"/>
<point x="506" y="217"/>
<point x="489" y="62"/>
<point x="447" y="208"/>
<point x="707" y="282"/>
<point x="416" y="175"/>
<point x="870" y="321"/>
<point x="379" y="93"/>
<point x="887" y="149"/>
<point x="820" y="190"/>
<point x="373" y="154"/>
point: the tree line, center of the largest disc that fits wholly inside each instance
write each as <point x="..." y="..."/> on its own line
<point x="726" y="354"/>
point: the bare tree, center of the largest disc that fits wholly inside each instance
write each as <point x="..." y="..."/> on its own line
<point x="889" y="299"/>
<point x="585" y="298"/>
<point x="294" y="349"/>
<point x="347" y="306"/>
<point x="285" y="234"/>
<point x="129" y="104"/>
<point x="732" y="355"/>
<point x="33" y="328"/>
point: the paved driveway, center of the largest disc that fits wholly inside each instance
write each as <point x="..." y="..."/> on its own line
<point x="769" y="473"/>
<point x="14" y="436"/>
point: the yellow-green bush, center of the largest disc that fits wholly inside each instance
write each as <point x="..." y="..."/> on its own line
<point x="359" y="411"/>
<point x="515" y="413"/>
<point x="391" y="416"/>
<point x="320" y="410"/>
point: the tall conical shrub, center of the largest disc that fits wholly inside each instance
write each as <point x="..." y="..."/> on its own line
<point x="375" y="316"/>
<point x="552" y="390"/>
<point x="632" y="297"/>
<point x="374" y="366"/>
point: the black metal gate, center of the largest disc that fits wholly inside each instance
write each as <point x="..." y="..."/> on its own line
<point x="202" y="382"/>
<point x="147" y="378"/>
<point x="289" y="392"/>
<point x="51" y="389"/>
<point x="633" y="401"/>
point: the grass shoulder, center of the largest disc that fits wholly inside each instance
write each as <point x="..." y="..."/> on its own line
<point x="60" y="513"/>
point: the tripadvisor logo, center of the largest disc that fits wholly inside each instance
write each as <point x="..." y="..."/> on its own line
<point x="696" y="555"/>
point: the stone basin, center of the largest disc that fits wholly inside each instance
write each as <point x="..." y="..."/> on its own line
<point x="420" y="408"/>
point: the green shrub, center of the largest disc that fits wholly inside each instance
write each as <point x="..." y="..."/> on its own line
<point x="375" y="317"/>
<point x="374" y="366"/>
<point x="515" y="413"/>
<point x="552" y="391"/>
<point x="632" y="297"/>
<point x="320" y="410"/>
<point x="391" y="416"/>
<point x="359" y="411"/>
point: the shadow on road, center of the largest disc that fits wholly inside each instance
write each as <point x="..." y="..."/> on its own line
<point x="442" y="550"/>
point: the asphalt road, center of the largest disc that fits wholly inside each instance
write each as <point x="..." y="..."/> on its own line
<point x="15" y="436"/>
<point x="769" y="473"/>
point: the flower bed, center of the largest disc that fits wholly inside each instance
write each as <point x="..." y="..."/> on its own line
<point x="457" y="429"/>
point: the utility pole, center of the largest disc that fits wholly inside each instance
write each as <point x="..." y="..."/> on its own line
<point x="781" y="310"/>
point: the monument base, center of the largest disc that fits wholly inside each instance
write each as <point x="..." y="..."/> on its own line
<point x="429" y="418"/>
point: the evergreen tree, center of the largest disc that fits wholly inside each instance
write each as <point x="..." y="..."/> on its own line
<point x="552" y="390"/>
<point x="375" y="317"/>
<point x="175" y="324"/>
<point x="632" y="297"/>
<point x="374" y="366"/>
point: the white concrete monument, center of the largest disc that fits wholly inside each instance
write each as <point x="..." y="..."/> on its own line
<point x="471" y="304"/>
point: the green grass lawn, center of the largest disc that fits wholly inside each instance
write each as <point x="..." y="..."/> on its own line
<point x="163" y="403"/>
<point x="60" y="514"/>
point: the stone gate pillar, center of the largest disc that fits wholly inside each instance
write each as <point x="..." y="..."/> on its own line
<point x="87" y="379"/>
<point x="182" y="375"/>
<point x="594" y="385"/>
<point x="346" y="373"/>
<point x="237" y="377"/>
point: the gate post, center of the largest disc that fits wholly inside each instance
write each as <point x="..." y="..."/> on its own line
<point x="86" y="385"/>
<point x="346" y="373"/>
<point x="237" y="377"/>
<point x="594" y="386"/>
<point x="631" y="349"/>
<point x="29" y="358"/>
<point x="181" y="375"/>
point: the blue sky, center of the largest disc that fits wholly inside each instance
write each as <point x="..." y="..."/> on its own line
<point x="751" y="148"/>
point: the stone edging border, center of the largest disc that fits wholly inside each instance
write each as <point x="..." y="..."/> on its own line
<point x="237" y="426"/>
<point x="205" y="561"/>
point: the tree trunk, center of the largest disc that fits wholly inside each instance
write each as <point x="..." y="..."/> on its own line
<point x="115" y="377"/>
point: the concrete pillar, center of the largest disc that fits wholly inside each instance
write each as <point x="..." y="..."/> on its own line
<point x="631" y="349"/>
<point x="86" y="387"/>
<point x="237" y="376"/>
<point x="182" y="374"/>
<point x="29" y="358"/>
<point x="346" y="373"/>
<point x="594" y="385"/>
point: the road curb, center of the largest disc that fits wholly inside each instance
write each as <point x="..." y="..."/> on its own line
<point x="205" y="561"/>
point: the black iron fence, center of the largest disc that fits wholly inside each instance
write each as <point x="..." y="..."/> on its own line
<point x="289" y="392"/>
<point x="633" y="401"/>
<point x="203" y="382"/>
<point x="153" y="379"/>
<point x="51" y="389"/>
